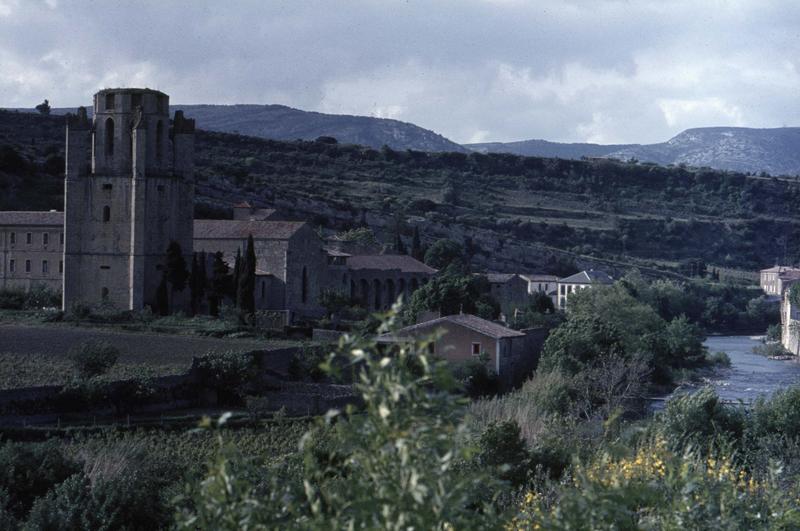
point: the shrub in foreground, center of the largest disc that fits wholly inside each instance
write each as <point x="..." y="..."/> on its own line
<point x="393" y="465"/>
<point x="93" y="358"/>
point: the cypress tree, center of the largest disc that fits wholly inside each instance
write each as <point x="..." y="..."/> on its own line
<point x="162" y="298"/>
<point x="193" y="277"/>
<point x="399" y="246"/>
<point x="219" y="284"/>
<point x="416" y="245"/>
<point x="175" y="272"/>
<point x="237" y="267"/>
<point x="247" y="278"/>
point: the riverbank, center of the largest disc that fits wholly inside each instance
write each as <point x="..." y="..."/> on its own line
<point x="749" y="376"/>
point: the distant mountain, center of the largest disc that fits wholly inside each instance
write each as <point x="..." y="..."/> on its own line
<point x="775" y="151"/>
<point x="279" y="122"/>
<point x="544" y="148"/>
<point x="285" y="123"/>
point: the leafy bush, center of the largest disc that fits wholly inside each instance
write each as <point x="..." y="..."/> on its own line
<point x="777" y="415"/>
<point x="306" y="363"/>
<point x="700" y="419"/>
<point x="502" y="448"/>
<point x="224" y="370"/>
<point x="28" y="471"/>
<point x="655" y="487"/>
<point x="394" y="465"/>
<point x="93" y="358"/>
<point x="476" y="378"/>
<point x="550" y="391"/>
<point x="773" y="333"/>
<point x="718" y="359"/>
<point x="771" y="350"/>
<point x="12" y="299"/>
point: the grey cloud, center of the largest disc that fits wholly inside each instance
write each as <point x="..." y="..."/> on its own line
<point x="608" y="71"/>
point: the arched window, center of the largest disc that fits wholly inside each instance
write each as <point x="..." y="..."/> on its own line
<point x="109" y="137"/>
<point x="414" y="285"/>
<point x="401" y="287"/>
<point x="159" y="140"/>
<point x="106" y="213"/>
<point x="104" y="294"/>
<point x="304" y="292"/>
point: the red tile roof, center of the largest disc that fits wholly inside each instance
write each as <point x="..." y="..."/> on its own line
<point x="215" y="229"/>
<point x="473" y="322"/>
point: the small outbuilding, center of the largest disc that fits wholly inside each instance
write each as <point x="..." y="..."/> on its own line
<point x="511" y="354"/>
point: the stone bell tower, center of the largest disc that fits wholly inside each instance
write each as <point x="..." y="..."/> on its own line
<point x="129" y="192"/>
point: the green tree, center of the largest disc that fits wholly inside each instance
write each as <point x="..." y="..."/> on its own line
<point x="247" y="279"/>
<point x="44" y="108"/>
<point x="443" y="253"/>
<point x="220" y="281"/>
<point x="237" y="273"/>
<point x="453" y="292"/>
<point x="176" y="272"/>
<point x="197" y="281"/>
<point x="399" y="246"/>
<point x="416" y="245"/>
<point x="578" y="343"/>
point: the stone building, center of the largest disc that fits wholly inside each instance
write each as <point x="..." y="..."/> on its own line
<point x="291" y="264"/>
<point x="585" y="279"/>
<point x="512" y="355"/>
<point x="510" y="291"/>
<point x="773" y="279"/>
<point x="545" y="284"/>
<point x="377" y="280"/>
<point x="790" y="320"/>
<point x="129" y="192"/>
<point x="31" y="250"/>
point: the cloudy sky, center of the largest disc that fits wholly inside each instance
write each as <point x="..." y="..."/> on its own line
<point x="472" y="70"/>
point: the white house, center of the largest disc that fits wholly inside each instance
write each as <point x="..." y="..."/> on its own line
<point x="578" y="281"/>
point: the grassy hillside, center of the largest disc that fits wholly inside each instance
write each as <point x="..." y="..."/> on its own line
<point x="520" y="213"/>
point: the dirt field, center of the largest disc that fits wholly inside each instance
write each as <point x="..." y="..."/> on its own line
<point x="36" y="355"/>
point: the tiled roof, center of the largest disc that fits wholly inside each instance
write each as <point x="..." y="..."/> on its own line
<point x="243" y="204"/>
<point x="32" y="218"/>
<point x="789" y="274"/>
<point x="387" y="262"/>
<point x="588" y="277"/>
<point x="473" y="322"/>
<point x="215" y="229"/>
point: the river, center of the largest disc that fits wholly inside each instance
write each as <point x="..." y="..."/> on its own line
<point x="750" y="374"/>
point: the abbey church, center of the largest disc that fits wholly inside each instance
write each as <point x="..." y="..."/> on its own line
<point x="129" y="193"/>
